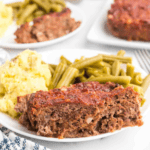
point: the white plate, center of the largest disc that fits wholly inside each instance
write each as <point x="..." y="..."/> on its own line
<point x="53" y="57"/>
<point x="99" y="32"/>
<point x="7" y="41"/>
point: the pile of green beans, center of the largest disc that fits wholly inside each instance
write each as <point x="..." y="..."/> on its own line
<point x="101" y="68"/>
<point x="27" y="10"/>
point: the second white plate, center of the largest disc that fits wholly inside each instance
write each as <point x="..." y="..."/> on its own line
<point x="53" y="57"/>
<point x="99" y="32"/>
<point x="7" y="41"/>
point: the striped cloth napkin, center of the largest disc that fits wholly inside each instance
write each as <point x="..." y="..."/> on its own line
<point x="10" y="141"/>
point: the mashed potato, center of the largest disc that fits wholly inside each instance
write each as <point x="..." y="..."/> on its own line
<point x="23" y="75"/>
<point x="6" y="17"/>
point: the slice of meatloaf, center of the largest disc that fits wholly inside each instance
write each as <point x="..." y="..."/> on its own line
<point x="47" y="27"/>
<point x="130" y="19"/>
<point x="81" y="110"/>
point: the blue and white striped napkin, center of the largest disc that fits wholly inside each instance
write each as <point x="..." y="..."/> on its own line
<point x="10" y="141"/>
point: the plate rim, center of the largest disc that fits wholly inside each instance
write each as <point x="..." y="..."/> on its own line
<point x="115" y="41"/>
<point x="50" y="42"/>
<point x="66" y="140"/>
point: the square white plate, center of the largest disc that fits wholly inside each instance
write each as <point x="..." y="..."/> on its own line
<point x="99" y="32"/>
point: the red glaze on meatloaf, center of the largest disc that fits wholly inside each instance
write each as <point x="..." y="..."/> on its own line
<point x="81" y="110"/>
<point x="47" y="27"/>
<point x="130" y="19"/>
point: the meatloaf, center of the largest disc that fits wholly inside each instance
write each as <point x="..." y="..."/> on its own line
<point x="47" y="27"/>
<point x="130" y="19"/>
<point x="81" y="110"/>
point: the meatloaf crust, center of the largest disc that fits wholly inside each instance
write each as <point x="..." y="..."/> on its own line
<point x="47" y="27"/>
<point x="82" y="110"/>
<point x="130" y="19"/>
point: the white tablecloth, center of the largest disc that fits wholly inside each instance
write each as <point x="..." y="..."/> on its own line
<point x="130" y="139"/>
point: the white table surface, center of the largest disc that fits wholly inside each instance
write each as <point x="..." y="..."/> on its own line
<point x="136" y="138"/>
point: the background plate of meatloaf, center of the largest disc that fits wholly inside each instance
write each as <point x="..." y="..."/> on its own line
<point x="53" y="57"/>
<point x="100" y="33"/>
<point x="8" y="40"/>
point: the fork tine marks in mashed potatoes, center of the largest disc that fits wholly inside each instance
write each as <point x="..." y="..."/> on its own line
<point x="22" y="75"/>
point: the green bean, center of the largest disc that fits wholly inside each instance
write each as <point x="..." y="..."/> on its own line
<point x="109" y="58"/>
<point x="38" y="13"/>
<point x="106" y="64"/>
<point x="61" y="2"/>
<point x="43" y="4"/>
<point x="29" y="18"/>
<point x="110" y="63"/>
<point x="137" y="73"/>
<point x="63" y="58"/>
<point x="76" y="60"/>
<point x="91" y="77"/>
<point x="27" y="11"/>
<point x="96" y="65"/>
<point x="118" y="79"/>
<point x="82" y="78"/>
<point x="67" y="77"/>
<point x="143" y="101"/>
<point x="73" y="81"/>
<point x="93" y="71"/>
<point x="60" y="69"/>
<point x="98" y="72"/>
<point x="104" y="75"/>
<point x="56" y="7"/>
<point x="137" y="79"/>
<point x="24" y="13"/>
<point x="87" y="62"/>
<point x="130" y="70"/>
<point x="146" y="83"/>
<point x="82" y="58"/>
<point x="15" y="12"/>
<point x="90" y="72"/>
<point x="20" y="11"/>
<point x="121" y="53"/>
<point x="53" y="66"/>
<point x="106" y="70"/>
<point x="116" y="68"/>
<point x="51" y="69"/>
<point x="122" y="72"/>
<point x="63" y="61"/>
<point x="136" y="88"/>
<point x="25" y="3"/>
<point x="101" y="64"/>
<point x="81" y="73"/>
<point x="14" y="5"/>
